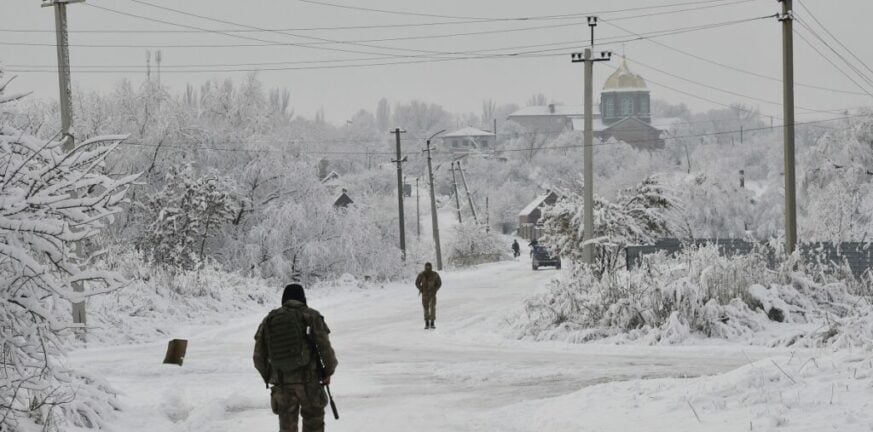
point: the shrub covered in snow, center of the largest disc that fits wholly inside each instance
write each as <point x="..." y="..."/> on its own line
<point x="473" y="244"/>
<point x="700" y="292"/>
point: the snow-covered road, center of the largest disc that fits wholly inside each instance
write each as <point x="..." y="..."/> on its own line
<point x="393" y="375"/>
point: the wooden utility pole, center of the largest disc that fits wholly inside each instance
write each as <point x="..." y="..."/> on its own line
<point x="435" y="226"/>
<point x="417" y="210"/>
<point x="66" y="103"/>
<point x="457" y="195"/>
<point x="399" y="161"/>
<point x="467" y="190"/>
<point x="588" y="150"/>
<point x="787" y="18"/>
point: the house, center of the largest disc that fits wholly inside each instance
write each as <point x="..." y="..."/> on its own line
<point x="469" y="139"/>
<point x="551" y="118"/>
<point x="529" y="217"/>
<point x="625" y="114"/>
<point x="343" y="200"/>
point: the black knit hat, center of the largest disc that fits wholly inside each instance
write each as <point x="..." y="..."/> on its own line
<point x="294" y="292"/>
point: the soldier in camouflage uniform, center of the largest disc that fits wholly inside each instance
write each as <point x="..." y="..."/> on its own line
<point x="428" y="283"/>
<point x="299" y="392"/>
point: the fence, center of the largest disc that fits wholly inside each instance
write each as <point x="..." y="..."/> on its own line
<point x="858" y="256"/>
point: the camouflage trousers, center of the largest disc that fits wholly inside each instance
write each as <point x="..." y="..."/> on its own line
<point x="291" y="401"/>
<point x="428" y="302"/>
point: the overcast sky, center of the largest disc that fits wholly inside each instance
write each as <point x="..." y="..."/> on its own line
<point x="458" y="85"/>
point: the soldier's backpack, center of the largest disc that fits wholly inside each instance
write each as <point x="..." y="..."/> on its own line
<point x="287" y="347"/>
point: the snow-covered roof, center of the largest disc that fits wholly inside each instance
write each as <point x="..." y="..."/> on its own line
<point x="538" y="202"/>
<point x="468" y="132"/>
<point x="658" y="123"/>
<point x="547" y="110"/>
<point x="330" y="176"/>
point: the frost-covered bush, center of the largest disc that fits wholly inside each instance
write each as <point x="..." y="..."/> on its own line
<point x="53" y="203"/>
<point x="471" y="244"/>
<point x="184" y="215"/>
<point x="699" y="292"/>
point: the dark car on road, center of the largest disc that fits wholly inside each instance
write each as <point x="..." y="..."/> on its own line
<point x="542" y="257"/>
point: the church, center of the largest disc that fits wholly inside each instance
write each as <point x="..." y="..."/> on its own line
<point x="625" y="114"/>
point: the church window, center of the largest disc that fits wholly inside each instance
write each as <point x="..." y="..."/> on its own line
<point x="627" y="106"/>
<point x="609" y="107"/>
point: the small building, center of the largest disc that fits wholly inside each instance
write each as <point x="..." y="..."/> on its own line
<point x="330" y="179"/>
<point x="343" y="200"/>
<point x="529" y="217"/>
<point x="469" y="139"/>
<point x="551" y="118"/>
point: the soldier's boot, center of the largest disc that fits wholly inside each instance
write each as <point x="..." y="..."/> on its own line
<point x="426" y="324"/>
<point x="432" y="325"/>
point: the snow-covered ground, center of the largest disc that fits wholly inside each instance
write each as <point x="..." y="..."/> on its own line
<point x="469" y="374"/>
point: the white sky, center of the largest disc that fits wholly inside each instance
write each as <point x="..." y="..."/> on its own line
<point x="460" y="86"/>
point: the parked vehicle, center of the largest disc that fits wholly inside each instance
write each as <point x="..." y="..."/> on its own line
<point x="542" y="257"/>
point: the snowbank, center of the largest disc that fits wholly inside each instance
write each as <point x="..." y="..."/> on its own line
<point x="796" y="393"/>
<point x="699" y="296"/>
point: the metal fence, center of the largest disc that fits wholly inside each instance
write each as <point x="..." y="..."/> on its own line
<point x="857" y="255"/>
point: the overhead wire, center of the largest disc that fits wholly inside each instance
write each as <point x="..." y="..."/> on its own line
<point x="475" y="54"/>
<point x="610" y="22"/>
<point x="419" y="14"/>
<point x="831" y="62"/>
<point x="811" y="15"/>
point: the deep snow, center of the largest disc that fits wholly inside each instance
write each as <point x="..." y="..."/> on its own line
<point x="467" y="375"/>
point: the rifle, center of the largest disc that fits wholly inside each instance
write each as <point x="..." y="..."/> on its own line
<point x="319" y="366"/>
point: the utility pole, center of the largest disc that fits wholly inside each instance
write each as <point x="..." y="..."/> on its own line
<point x="435" y="226"/>
<point x="588" y="153"/>
<point x="399" y="161"/>
<point x="467" y="190"/>
<point x="66" y="103"/>
<point x="417" y="210"/>
<point x="787" y="18"/>
<point x="487" y="216"/>
<point x="457" y="196"/>
<point x="158" y="64"/>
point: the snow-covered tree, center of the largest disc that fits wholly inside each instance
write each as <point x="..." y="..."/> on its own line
<point x="184" y="215"/>
<point x="53" y="204"/>
<point x="639" y="215"/>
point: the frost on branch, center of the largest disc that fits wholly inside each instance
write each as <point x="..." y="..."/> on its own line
<point x="184" y="215"/>
<point x="52" y="203"/>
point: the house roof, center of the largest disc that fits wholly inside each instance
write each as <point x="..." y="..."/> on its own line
<point x="535" y="204"/>
<point x="330" y="176"/>
<point x="546" y="110"/>
<point x="662" y="124"/>
<point x="468" y="132"/>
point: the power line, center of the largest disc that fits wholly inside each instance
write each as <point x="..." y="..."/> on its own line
<point x="418" y="14"/>
<point x="297" y="44"/>
<point x="560" y="46"/>
<point x="726" y="65"/>
<point x="712" y="87"/>
<point x="573" y="16"/>
<point x="822" y="55"/>
<point x="422" y="139"/>
<point x="851" y="66"/>
<point x="833" y="37"/>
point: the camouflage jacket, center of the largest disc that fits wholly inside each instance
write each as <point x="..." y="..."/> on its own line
<point x="428" y="281"/>
<point x="308" y="373"/>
